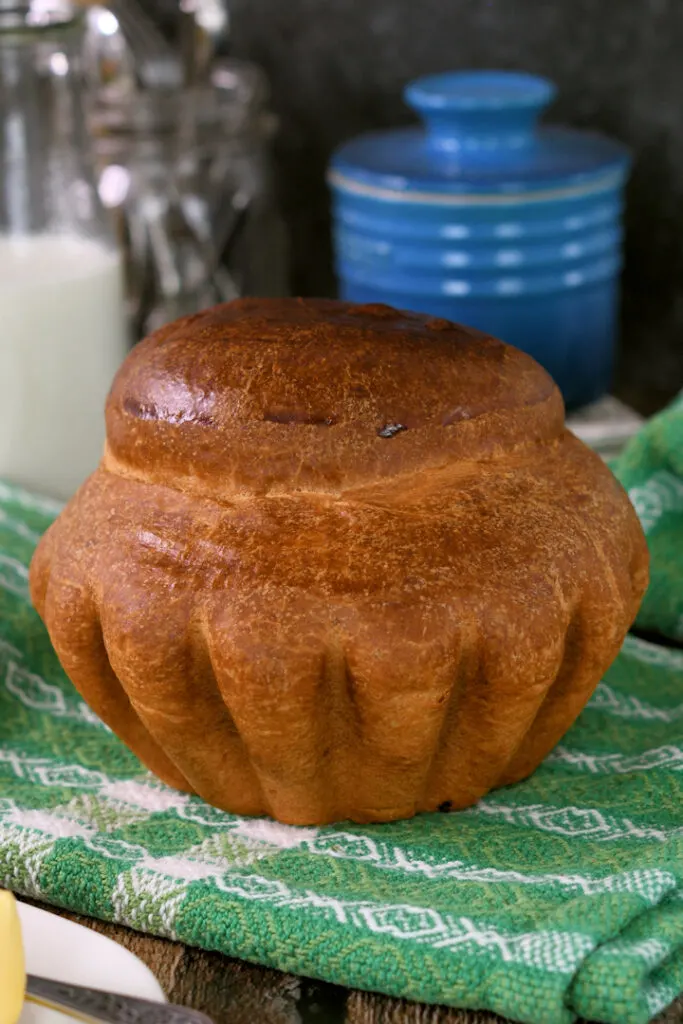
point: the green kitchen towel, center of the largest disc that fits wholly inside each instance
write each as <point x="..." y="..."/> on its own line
<point x="651" y="469"/>
<point x="556" y="898"/>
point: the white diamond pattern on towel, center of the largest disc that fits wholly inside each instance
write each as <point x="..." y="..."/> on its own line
<point x="214" y="858"/>
<point x="47" y="772"/>
<point x="145" y="901"/>
<point x="147" y="794"/>
<point x="587" y="822"/>
<point x="557" y="952"/>
<point x="546" y="950"/>
<point x="35" y="693"/>
<point x="277" y="836"/>
<point x="403" y="922"/>
<point x="651" y="883"/>
<point x="622" y="705"/>
<point x="22" y="853"/>
<point x="668" y="756"/>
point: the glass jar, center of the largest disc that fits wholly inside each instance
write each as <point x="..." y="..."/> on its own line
<point x="186" y="175"/>
<point x="166" y="266"/>
<point x="61" y="298"/>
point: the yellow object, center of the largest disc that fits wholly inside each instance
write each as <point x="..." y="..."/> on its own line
<point x="12" y="970"/>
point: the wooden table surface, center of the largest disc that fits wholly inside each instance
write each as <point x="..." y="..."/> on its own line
<point x="234" y="992"/>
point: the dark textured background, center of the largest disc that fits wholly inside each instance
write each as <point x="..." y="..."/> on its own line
<point x="337" y="68"/>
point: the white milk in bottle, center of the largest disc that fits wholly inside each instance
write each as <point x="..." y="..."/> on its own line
<point x="62" y="338"/>
<point x="62" y="313"/>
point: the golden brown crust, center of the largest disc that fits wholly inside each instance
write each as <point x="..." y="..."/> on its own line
<point x="354" y="635"/>
<point x="294" y="395"/>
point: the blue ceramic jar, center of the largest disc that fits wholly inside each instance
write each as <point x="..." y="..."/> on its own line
<point x="484" y="217"/>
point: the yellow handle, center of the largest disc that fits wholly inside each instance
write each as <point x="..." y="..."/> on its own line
<point x="12" y="967"/>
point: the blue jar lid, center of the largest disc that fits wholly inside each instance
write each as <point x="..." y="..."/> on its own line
<point x="480" y="134"/>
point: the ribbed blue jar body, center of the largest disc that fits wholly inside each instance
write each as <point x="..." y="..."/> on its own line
<point x="541" y="273"/>
<point x="485" y="217"/>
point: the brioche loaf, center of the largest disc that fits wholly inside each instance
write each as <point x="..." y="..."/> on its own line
<point x="338" y="562"/>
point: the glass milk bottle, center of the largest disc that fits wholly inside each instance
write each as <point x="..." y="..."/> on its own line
<point x="63" y="332"/>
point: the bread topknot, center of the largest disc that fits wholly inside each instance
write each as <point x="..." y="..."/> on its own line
<point x="287" y="395"/>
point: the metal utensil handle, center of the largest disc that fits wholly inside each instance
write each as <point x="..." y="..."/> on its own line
<point x="107" y="1007"/>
